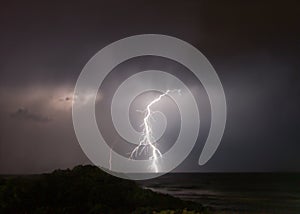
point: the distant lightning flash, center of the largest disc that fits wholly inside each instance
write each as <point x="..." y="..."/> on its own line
<point x="110" y="151"/>
<point x="147" y="140"/>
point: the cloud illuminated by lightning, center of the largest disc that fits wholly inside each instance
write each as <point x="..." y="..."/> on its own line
<point x="147" y="142"/>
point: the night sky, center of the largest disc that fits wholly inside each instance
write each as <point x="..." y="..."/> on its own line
<point x="254" y="47"/>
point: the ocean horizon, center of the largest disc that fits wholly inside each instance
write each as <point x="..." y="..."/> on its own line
<point x="239" y="192"/>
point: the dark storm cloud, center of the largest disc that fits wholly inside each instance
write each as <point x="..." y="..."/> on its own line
<point x="254" y="47"/>
<point x="24" y="114"/>
<point x="29" y="141"/>
<point x="65" y="99"/>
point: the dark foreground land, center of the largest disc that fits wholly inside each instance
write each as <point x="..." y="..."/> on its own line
<point x="87" y="189"/>
<point x="84" y="189"/>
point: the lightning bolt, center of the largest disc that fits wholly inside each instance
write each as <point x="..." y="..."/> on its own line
<point x="109" y="161"/>
<point x="147" y="141"/>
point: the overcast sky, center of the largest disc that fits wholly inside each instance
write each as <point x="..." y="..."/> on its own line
<point x="254" y="47"/>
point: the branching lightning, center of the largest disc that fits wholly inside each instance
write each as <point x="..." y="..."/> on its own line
<point x="147" y="142"/>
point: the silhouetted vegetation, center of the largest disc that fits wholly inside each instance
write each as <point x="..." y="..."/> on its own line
<point x="84" y="189"/>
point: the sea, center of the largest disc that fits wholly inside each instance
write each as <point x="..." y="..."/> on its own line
<point x="233" y="192"/>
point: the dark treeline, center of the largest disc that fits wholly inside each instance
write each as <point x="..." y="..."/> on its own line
<point x="84" y="189"/>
